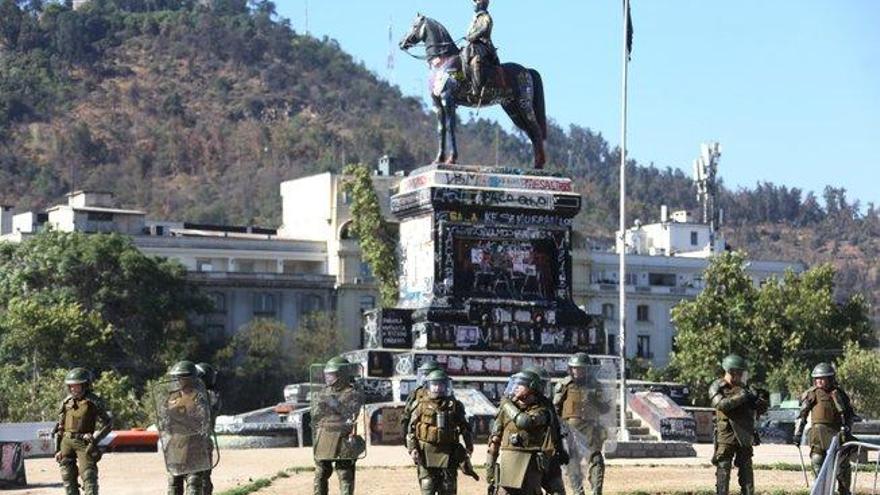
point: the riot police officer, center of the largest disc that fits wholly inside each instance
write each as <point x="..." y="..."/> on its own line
<point x="188" y="419"/>
<point x="580" y="403"/>
<point x="438" y="420"/>
<point x="480" y="54"/>
<point x="736" y="409"/>
<point x="831" y="413"/>
<point x="336" y="444"/>
<point x="519" y="438"/>
<point x="76" y="442"/>
<point x="208" y="375"/>
<point x="556" y="454"/>
<point x="416" y="394"/>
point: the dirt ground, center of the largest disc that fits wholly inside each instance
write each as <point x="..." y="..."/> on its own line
<point x="387" y="471"/>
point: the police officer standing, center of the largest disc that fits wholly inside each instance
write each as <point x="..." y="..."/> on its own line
<point x="335" y="410"/>
<point x="416" y="394"/>
<point x="479" y="55"/>
<point x="557" y="456"/>
<point x="186" y="421"/>
<point x="579" y="401"/>
<point x="208" y="375"/>
<point x="438" y="420"/>
<point x="76" y="442"/>
<point x="831" y="414"/>
<point x="736" y="409"/>
<point x="519" y="438"/>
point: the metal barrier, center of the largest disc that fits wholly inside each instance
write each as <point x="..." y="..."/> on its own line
<point x="825" y="482"/>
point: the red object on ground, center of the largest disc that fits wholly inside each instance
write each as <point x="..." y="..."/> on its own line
<point x="133" y="438"/>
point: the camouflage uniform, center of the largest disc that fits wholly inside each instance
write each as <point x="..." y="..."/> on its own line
<point x="76" y="442"/>
<point x="831" y="414"/>
<point x="520" y="438"/>
<point x="336" y="445"/>
<point x="581" y="404"/>
<point x="736" y="409"/>
<point x="437" y="422"/>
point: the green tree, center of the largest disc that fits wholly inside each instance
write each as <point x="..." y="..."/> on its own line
<point x="256" y="365"/>
<point x="857" y="371"/>
<point x="74" y="297"/>
<point x="782" y="328"/>
<point x="376" y="242"/>
<point x="30" y="395"/>
<point x="317" y="339"/>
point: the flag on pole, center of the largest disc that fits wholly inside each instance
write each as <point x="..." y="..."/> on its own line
<point x="629" y="30"/>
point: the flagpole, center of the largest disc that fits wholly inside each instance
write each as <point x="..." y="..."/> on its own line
<point x="623" y="433"/>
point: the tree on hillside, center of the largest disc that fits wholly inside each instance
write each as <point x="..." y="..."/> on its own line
<point x="782" y="328"/>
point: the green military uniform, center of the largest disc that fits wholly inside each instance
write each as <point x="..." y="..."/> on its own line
<point x="520" y="438"/>
<point x="551" y="481"/>
<point x="334" y="415"/>
<point x="186" y="415"/>
<point x="76" y="442"/>
<point x="831" y="414"/>
<point x="208" y="375"/>
<point x="438" y="420"/>
<point x="736" y="409"/>
<point x="413" y="398"/>
<point x="580" y="404"/>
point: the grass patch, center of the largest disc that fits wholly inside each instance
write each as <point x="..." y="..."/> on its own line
<point x="259" y="484"/>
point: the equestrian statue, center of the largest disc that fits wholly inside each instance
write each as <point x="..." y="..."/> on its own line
<point x="474" y="77"/>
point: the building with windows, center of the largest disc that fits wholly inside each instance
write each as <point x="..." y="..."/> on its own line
<point x="664" y="265"/>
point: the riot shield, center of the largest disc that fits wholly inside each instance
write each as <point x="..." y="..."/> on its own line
<point x="183" y="409"/>
<point x="336" y="404"/>
<point x="595" y="428"/>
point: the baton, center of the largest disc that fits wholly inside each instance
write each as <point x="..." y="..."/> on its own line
<point x="804" y="466"/>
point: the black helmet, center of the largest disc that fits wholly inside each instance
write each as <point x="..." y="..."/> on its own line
<point x="208" y="374"/>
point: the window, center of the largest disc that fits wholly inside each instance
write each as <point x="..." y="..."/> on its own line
<point x="608" y="311"/>
<point x="218" y="301"/>
<point x="642" y="313"/>
<point x="643" y="347"/>
<point x="204" y="265"/>
<point x="695" y="237"/>
<point x="661" y="279"/>
<point x="264" y="303"/>
<point x="612" y="345"/>
<point x="245" y="266"/>
<point x="312" y="303"/>
<point x="367" y="303"/>
<point x="99" y="216"/>
<point x="366" y="274"/>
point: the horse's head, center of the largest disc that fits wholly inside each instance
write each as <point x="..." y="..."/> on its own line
<point x="416" y="33"/>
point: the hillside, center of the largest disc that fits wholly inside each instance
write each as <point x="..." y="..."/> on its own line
<point x="197" y="113"/>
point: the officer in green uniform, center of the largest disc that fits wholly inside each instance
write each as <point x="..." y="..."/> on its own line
<point x="831" y="414"/>
<point x="556" y="454"/>
<point x="438" y="420"/>
<point x="413" y="398"/>
<point x="76" y="442"/>
<point x="736" y="409"/>
<point x="334" y="420"/>
<point x="208" y="375"/>
<point x="519" y="438"/>
<point x="186" y="412"/>
<point x="579" y="401"/>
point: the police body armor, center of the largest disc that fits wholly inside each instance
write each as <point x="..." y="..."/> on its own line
<point x="334" y="413"/>
<point x="437" y="427"/>
<point x="523" y="442"/>
<point x="735" y="426"/>
<point x="185" y="425"/>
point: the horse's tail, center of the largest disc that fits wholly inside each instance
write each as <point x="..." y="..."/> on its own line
<point x="540" y="111"/>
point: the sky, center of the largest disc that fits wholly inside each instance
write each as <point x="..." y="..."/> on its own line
<point x="790" y="88"/>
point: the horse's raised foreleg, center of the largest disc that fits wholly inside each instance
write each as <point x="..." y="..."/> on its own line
<point x="441" y="130"/>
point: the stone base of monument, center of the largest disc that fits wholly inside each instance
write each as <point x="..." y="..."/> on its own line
<point x="647" y="450"/>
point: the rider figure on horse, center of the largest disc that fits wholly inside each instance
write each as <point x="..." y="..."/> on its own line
<point x="479" y="57"/>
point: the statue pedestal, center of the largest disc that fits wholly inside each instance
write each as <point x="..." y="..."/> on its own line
<point x="485" y="261"/>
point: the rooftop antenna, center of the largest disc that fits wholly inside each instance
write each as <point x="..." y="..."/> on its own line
<point x="705" y="180"/>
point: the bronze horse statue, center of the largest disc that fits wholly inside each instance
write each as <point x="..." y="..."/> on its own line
<point x="518" y="90"/>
